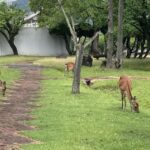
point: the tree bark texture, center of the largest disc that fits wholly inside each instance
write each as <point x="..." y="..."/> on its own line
<point x="109" y="63"/>
<point x="120" y="32"/>
<point x="94" y="45"/>
<point x="148" y="46"/>
<point x="13" y="46"/>
<point x="77" y="70"/>
<point x="10" y="42"/>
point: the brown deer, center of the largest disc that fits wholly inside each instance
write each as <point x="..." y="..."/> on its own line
<point x="125" y="88"/>
<point x="69" y="66"/>
<point x="3" y="87"/>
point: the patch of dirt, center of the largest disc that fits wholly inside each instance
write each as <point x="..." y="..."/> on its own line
<point x="115" y="78"/>
<point x="15" y="109"/>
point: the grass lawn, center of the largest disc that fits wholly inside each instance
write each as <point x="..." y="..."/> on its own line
<point x="8" y="74"/>
<point x="92" y="120"/>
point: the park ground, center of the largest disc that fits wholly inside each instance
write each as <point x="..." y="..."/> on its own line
<point x="40" y="113"/>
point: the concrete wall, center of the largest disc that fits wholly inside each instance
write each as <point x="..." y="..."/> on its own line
<point x="5" y="49"/>
<point x="35" y="42"/>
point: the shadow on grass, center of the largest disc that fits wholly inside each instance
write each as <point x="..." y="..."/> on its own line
<point x="106" y="88"/>
<point x="138" y="64"/>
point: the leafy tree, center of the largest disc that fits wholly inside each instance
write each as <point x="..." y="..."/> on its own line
<point x="73" y="13"/>
<point x="79" y="46"/>
<point x="137" y="22"/>
<point x="11" y="21"/>
<point x="85" y="14"/>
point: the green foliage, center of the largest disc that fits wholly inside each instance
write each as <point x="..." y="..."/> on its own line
<point x="11" y="20"/>
<point x="85" y="13"/>
<point x="137" y="16"/>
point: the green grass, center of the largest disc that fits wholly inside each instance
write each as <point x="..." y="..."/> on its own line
<point x="92" y="120"/>
<point x="15" y="59"/>
<point x="9" y="74"/>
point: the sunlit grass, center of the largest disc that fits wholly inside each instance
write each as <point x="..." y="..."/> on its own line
<point x="92" y="120"/>
<point x="15" y="59"/>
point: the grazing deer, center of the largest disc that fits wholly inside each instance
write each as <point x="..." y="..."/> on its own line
<point x="125" y="88"/>
<point x="3" y="87"/>
<point x="69" y="67"/>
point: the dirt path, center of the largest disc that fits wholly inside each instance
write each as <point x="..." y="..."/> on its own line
<point x="15" y="110"/>
<point x="116" y="78"/>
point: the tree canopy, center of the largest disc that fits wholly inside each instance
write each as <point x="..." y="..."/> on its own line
<point x="11" y="20"/>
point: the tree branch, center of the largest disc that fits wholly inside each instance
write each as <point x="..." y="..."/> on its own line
<point x="91" y="40"/>
<point x="84" y="40"/>
<point x="137" y="27"/>
<point x="4" y="34"/>
<point x="67" y="20"/>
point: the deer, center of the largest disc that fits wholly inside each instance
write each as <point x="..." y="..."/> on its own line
<point x="69" y="66"/>
<point x="125" y="89"/>
<point x="3" y="87"/>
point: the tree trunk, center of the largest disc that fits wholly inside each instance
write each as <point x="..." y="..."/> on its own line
<point x="10" y="42"/>
<point x="142" y="47"/>
<point x="148" y="46"/>
<point x="105" y="45"/>
<point x="69" y="44"/>
<point x="13" y="46"/>
<point x="128" y="47"/>
<point x="137" y="47"/>
<point x="120" y="32"/>
<point x="77" y="70"/>
<point x="109" y="62"/>
<point x="94" y="45"/>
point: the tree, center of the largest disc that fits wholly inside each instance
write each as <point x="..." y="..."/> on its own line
<point x="120" y="32"/>
<point x="109" y="62"/>
<point x="79" y="46"/>
<point x="136" y="23"/>
<point x="10" y="24"/>
<point x="75" y="14"/>
<point x="85" y="14"/>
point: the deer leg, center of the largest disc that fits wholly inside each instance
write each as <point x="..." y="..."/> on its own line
<point x="122" y="98"/>
<point x="3" y="92"/>
<point x="131" y="106"/>
<point x="125" y="102"/>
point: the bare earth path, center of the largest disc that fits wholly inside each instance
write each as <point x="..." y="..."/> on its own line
<point x="15" y="110"/>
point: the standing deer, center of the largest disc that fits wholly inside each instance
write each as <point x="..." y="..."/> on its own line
<point x="3" y="87"/>
<point x="69" y="67"/>
<point x="125" y="88"/>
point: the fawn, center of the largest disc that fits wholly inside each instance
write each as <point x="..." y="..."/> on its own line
<point x="69" y="67"/>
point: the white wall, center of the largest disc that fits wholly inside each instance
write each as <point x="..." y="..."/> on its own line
<point x="5" y="49"/>
<point x="35" y="42"/>
<point x="38" y="41"/>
